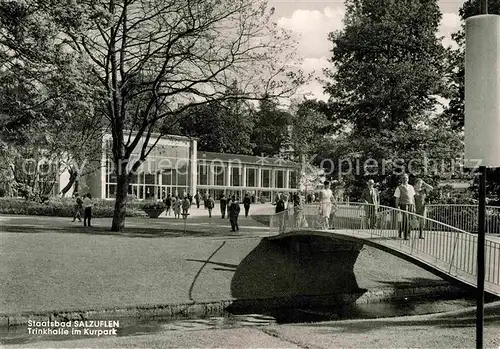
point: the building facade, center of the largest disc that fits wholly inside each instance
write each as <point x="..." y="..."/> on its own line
<point x="233" y="174"/>
<point x="176" y="167"/>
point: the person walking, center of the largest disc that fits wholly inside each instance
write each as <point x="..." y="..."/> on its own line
<point x="185" y="205"/>
<point x="197" y="199"/>
<point x="223" y="205"/>
<point x="176" y="205"/>
<point x="87" y="210"/>
<point x="78" y="208"/>
<point x="280" y="212"/>
<point x="325" y="207"/>
<point x="168" y="204"/>
<point x="370" y="196"/>
<point x="246" y="203"/>
<point x="210" y="205"/>
<point x="422" y="189"/>
<point x="297" y="210"/>
<point x="404" y="197"/>
<point x="234" y="211"/>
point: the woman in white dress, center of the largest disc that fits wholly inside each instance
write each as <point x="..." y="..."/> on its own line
<point x="325" y="205"/>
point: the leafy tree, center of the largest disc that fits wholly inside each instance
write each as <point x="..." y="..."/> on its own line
<point x="221" y="126"/>
<point x="387" y="64"/>
<point x="309" y="125"/>
<point x="270" y="133"/>
<point x="387" y="74"/>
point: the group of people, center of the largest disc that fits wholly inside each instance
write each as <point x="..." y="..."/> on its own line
<point x="229" y="206"/>
<point x="407" y="198"/>
<point x="83" y="205"/>
<point x="175" y="204"/>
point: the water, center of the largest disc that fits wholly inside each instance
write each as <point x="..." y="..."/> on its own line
<point x="135" y="327"/>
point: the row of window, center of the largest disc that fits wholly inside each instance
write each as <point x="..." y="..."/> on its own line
<point x="179" y="177"/>
<point x="145" y="192"/>
<point x="236" y="180"/>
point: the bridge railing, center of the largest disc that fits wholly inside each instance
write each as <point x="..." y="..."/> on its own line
<point x="447" y="248"/>
<point x="465" y="217"/>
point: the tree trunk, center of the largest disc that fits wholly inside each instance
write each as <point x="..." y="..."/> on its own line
<point x="121" y="199"/>
<point x="72" y="180"/>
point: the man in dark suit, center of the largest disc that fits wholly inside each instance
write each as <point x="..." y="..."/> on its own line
<point x="223" y="204"/>
<point x="234" y="211"/>
<point x="371" y="198"/>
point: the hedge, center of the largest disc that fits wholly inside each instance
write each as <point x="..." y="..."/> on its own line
<point x="63" y="207"/>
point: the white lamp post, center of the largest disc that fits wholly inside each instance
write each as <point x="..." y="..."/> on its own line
<point x="482" y="122"/>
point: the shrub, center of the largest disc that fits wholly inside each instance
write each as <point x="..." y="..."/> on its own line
<point x="62" y="207"/>
<point x="153" y="205"/>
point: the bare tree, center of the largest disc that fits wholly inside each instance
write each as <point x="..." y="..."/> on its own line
<point x="155" y="59"/>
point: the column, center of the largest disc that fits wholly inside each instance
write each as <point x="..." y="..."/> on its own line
<point x="228" y="177"/>
<point x="193" y="151"/>
<point x="104" y="158"/>
<point x="259" y="177"/>
<point x="156" y="185"/>
<point x="244" y="177"/>
<point x="287" y="179"/>
<point x="211" y="171"/>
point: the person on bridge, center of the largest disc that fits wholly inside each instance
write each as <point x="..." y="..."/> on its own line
<point x="422" y="189"/>
<point x="371" y="198"/>
<point x="325" y="206"/>
<point x="280" y="211"/>
<point x="405" y="201"/>
<point x="297" y="209"/>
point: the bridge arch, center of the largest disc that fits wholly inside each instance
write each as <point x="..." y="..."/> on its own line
<point x="442" y="249"/>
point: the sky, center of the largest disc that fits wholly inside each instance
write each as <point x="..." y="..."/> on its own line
<point x="310" y="22"/>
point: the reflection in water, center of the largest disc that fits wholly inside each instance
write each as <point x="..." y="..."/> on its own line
<point x="133" y="327"/>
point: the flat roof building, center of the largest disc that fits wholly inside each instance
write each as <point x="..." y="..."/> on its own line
<point x="176" y="167"/>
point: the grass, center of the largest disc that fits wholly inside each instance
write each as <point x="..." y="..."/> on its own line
<point x="57" y="271"/>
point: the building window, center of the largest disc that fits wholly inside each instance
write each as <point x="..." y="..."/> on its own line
<point x="235" y="177"/>
<point x="219" y="178"/>
<point x="166" y="177"/>
<point x="202" y="174"/>
<point x="111" y="191"/>
<point x="279" y="179"/>
<point x="292" y="180"/>
<point x="182" y="174"/>
<point x="251" y="177"/>
<point x="266" y="178"/>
